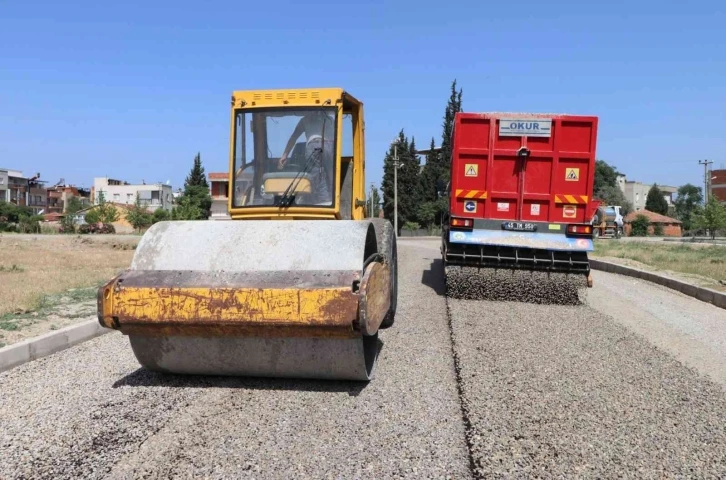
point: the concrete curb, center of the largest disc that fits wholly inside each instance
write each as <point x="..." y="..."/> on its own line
<point x="49" y="343"/>
<point x="701" y="293"/>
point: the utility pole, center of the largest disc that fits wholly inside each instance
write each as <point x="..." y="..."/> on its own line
<point x="372" y="210"/>
<point x="706" y="178"/>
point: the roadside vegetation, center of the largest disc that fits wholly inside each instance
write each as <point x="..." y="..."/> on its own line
<point x="702" y="264"/>
<point x="43" y="278"/>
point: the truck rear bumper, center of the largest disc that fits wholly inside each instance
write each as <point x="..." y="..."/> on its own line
<point x="534" y="240"/>
<point x="518" y="250"/>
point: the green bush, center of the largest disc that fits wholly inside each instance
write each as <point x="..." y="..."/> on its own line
<point x="161" y="215"/>
<point x="658" y="229"/>
<point x="639" y="227"/>
<point x="88" y="228"/>
<point x="30" y="224"/>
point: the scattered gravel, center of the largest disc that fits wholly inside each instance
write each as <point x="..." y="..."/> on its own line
<point x="564" y="391"/>
<point x="471" y="283"/>
<point x="67" y="415"/>
<point x="544" y="390"/>
<point x="90" y="412"/>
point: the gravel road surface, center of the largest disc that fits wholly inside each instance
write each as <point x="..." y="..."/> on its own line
<point x="692" y="331"/>
<point x="556" y="391"/>
<point x="90" y="412"/>
<point x="525" y="390"/>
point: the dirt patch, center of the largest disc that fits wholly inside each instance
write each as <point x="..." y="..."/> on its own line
<point x="50" y="281"/>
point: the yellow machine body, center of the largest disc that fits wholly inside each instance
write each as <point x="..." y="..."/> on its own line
<point x="349" y="119"/>
<point x="259" y="295"/>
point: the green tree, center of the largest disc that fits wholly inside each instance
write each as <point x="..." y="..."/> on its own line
<point x="689" y="198"/>
<point x="29" y="223"/>
<point x="605" y="175"/>
<point x="453" y="107"/>
<point x="186" y="209"/>
<point x="387" y="182"/>
<point x="639" y="226"/>
<point x="11" y="213"/>
<point x="409" y="184"/>
<point x="104" y="212"/>
<point x="656" y="202"/>
<point x="138" y="216"/>
<point x="73" y="205"/>
<point x="408" y="181"/>
<point x="161" y="215"/>
<point x="712" y="217"/>
<point x="427" y="213"/>
<point x="197" y="176"/>
<point x="195" y="202"/>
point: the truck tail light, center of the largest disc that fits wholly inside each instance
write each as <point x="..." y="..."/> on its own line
<point x="461" y="223"/>
<point x="579" y="229"/>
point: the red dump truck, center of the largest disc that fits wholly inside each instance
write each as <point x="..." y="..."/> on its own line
<point x="520" y="195"/>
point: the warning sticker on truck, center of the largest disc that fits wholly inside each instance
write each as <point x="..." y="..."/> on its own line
<point x="525" y="127"/>
<point x="569" y="211"/>
<point x="470" y="206"/>
<point x="471" y="170"/>
<point x="572" y="174"/>
<point x="534" y="209"/>
<point x="502" y="207"/>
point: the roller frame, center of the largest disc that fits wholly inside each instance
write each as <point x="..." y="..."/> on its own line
<point x="224" y="311"/>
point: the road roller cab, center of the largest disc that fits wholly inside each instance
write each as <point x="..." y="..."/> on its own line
<point x="259" y="295"/>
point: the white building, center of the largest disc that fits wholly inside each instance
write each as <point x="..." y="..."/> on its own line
<point x="218" y="185"/>
<point x="637" y="193"/>
<point x="153" y="196"/>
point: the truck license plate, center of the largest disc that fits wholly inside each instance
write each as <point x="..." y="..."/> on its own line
<point x="519" y="226"/>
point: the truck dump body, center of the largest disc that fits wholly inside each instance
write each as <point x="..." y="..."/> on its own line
<point x="521" y="191"/>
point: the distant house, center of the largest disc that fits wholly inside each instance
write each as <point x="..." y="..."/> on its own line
<point x="671" y="226"/>
<point x="218" y="189"/>
<point x="152" y="196"/>
<point x="60" y="194"/>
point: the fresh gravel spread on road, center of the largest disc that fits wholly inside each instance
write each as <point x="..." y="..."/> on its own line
<point x="90" y="412"/>
<point x="557" y="391"/>
<point x="526" y="389"/>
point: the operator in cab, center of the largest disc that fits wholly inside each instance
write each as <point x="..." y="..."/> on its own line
<point x="319" y="131"/>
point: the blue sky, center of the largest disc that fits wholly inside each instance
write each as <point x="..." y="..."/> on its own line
<point x="134" y="89"/>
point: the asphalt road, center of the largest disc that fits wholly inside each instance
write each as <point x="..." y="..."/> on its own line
<point x="630" y="384"/>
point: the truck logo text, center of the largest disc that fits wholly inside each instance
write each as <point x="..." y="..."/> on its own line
<point x="513" y="127"/>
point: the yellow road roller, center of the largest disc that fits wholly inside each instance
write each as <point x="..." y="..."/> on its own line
<point x="297" y="284"/>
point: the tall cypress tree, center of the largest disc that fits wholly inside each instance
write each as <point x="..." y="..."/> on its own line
<point x="431" y="173"/>
<point x="387" y="182"/>
<point x="452" y="108"/>
<point x="196" y="202"/>
<point x="438" y="165"/>
<point x="408" y="181"/>
<point x="409" y="190"/>
<point x="196" y="177"/>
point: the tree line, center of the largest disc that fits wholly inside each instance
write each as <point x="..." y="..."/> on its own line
<point x="420" y="200"/>
<point x="688" y="207"/>
<point x="421" y="203"/>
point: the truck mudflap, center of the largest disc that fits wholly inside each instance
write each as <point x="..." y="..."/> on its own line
<point x="554" y="252"/>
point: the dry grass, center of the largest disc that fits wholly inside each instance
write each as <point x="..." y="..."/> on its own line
<point x="32" y="267"/>
<point x="706" y="265"/>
